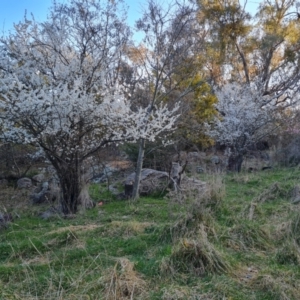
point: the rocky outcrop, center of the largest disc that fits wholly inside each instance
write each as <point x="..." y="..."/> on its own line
<point x="152" y="181"/>
<point x="24" y="183"/>
<point x="45" y="192"/>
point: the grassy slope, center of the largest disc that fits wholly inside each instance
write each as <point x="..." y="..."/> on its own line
<point x="239" y="241"/>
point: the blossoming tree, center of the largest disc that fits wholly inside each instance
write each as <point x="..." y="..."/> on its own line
<point x="59" y="89"/>
<point x="245" y="117"/>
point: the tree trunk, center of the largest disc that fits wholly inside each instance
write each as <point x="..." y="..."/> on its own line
<point x="139" y="166"/>
<point x="235" y="162"/>
<point x="175" y="174"/>
<point x="69" y="178"/>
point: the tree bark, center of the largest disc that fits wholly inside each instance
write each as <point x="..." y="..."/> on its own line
<point x="69" y="177"/>
<point x="235" y="162"/>
<point x="139" y="166"/>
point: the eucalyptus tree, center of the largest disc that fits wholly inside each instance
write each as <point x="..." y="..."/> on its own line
<point x="243" y="48"/>
<point x="259" y="55"/>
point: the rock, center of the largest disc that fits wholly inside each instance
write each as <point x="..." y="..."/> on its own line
<point x="51" y="212"/>
<point x="192" y="183"/>
<point x="199" y="169"/>
<point x="5" y="219"/>
<point x="38" y="178"/>
<point x="151" y="181"/>
<point x="215" y="159"/>
<point x="24" y="183"/>
<point x="45" y="192"/>
<point x="98" y="176"/>
<point x="113" y="190"/>
<point x="40" y="196"/>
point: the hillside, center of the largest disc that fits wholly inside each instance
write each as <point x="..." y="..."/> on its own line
<point x="238" y="240"/>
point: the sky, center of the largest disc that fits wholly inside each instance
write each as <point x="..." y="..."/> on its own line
<point x="12" y="11"/>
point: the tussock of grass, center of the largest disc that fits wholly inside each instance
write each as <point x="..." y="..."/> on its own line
<point x="274" y="191"/>
<point x="197" y="210"/>
<point x="198" y="256"/>
<point x="289" y="253"/>
<point x="248" y="235"/>
<point x="294" y="229"/>
<point x="234" y="237"/>
<point x="123" y="282"/>
<point x="280" y="287"/>
<point x="187" y="225"/>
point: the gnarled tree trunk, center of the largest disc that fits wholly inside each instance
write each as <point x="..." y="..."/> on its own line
<point x="68" y="171"/>
<point x="70" y="185"/>
<point x="235" y="162"/>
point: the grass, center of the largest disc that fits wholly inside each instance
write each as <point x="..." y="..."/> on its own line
<point x="237" y="239"/>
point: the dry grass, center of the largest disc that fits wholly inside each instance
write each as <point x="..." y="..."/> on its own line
<point x="198" y="210"/>
<point x="128" y="228"/>
<point x="14" y="199"/>
<point x="175" y="292"/>
<point x="38" y="260"/>
<point x="281" y="286"/>
<point x="122" y="282"/>
<point x="198" y="255"/>
<point x="214" y="244"/>
<point x="270" y="193"/>
<point x="247" y="236"/>
<point x="75" y="228"/>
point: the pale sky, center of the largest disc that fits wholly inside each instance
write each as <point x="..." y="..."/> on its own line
<point x="12" y="11"/>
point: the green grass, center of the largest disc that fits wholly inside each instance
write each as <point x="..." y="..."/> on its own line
<point x="240" y="240"/>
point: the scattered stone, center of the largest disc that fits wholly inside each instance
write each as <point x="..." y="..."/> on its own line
<point x="45" y="192"/>
<point x="113" y="190"/>
<point x="38" y="178"/>
<point x="215" y="159"/>
<point x="199" y="170"/>
<point x="192" y="183"/>
<point x="24" y="183"/>
<point x="5" y="218"/>
<point x="51" y="212"/>
<point x="98" y="176"/>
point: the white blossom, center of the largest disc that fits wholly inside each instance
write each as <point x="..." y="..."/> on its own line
<point x="242" y="117"/>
